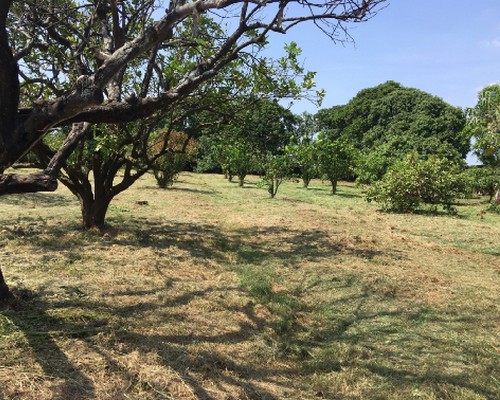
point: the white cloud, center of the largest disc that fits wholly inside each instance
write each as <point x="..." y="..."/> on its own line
<point x="491" y="43"/>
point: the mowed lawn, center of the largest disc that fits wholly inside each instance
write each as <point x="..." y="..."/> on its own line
<point x="211" y="291"/>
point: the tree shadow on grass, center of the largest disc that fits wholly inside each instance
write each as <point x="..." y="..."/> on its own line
<point x="360" y="334"/>
<point x="363" y="329"/>
<point x="199" y="369"/>
<point x="30" y="315"/>
<point x="207" y="243"/>
<point x="33" y="200"/>
<point x="190" y="190"/>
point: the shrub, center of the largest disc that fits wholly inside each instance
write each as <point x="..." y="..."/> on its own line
<point x="413" y="181"/>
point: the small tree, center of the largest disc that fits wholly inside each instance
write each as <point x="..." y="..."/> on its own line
<point x="304" y="155"/>
<point x="236" y="156"/>
<point x="276" y="167"/>
<point x="302" y="148"/>
<point x="110" y="159"/>
<point x="482" y="180"/>
<point x="413" y="181"/>
<point x="335" y="158"/>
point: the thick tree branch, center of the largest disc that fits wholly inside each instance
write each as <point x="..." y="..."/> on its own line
<point x="39" y="182"/>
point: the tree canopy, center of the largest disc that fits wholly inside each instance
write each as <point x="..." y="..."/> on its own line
<point x="484" y="124"/>
<point x="389" y="121"/>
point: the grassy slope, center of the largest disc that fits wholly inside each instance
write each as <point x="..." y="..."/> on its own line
<point x="216" y="292"/>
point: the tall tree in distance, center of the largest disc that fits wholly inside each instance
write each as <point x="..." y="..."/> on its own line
<point x="485" y="125"/>
<point x="389" y="120"/>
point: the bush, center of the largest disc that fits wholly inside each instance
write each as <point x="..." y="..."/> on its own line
<point x="412" y="182"/>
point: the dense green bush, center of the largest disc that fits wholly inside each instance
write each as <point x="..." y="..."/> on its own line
<point x="413" y="181"/>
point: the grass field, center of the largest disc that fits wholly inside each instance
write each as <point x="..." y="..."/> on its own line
<point x="211" y="291"/>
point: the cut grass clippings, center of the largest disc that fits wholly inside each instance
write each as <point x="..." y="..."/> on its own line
<point x="211" y="291"/>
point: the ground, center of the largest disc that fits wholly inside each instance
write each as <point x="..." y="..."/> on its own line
<point x="211" y="291"/>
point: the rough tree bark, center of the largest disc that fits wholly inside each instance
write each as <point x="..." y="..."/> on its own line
<point x="5" y="293"/>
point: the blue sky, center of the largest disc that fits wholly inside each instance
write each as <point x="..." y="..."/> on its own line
<point x="449" y="48"/>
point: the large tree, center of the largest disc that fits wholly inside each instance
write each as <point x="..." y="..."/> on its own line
<point x="388" y="121"/>
<point x="62" y="62"/>
<point x="484" y="123"/>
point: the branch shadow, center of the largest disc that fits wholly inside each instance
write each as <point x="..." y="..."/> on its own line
<point x="33" y="200"/>
<point x="30" y="315"/>
<point x="200" y="369"/>
<point x="256" y="246"/>
<point x="208" y="242"/>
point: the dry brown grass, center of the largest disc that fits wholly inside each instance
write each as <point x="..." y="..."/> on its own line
<point x="211" y="291"/>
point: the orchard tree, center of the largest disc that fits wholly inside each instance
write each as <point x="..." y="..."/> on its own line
<point x="150" y="143"/>
<point x="302" y="148"/>
<point x="482" y="180"/>
<point x="336" y="158"/>
<point x="276" y="168"/>
<point x="241" y="142"/>
<point x="484" y="120"/>
<point x="234" y="155"/>
<point x="109" y="160"/>
<point x="181" y="149"/>
<point x="414" y="181"/>
<point x="63" y="63"/>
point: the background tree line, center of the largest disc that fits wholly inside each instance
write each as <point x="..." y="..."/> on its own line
<point x="408" y="145"/>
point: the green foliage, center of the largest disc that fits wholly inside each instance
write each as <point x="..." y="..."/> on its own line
<point x="371" y="166"/>
<point x="482" y="180"/>
<point x="414" y="181"/>
<point x="276" y="168"/>
<point x="392" y="120"/>
<point x="484" y="120"/>
<point x="336" y="158"/>
<point x="302" y="148"/>
<point x="239" y="144"/>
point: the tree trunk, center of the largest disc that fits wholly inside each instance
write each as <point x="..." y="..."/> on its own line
<point x="241" y="180"/>
<point x="306" y="181"/>
<point x="94" y="211"/>
<point x="9" y="92"/>
<point x="5" y="293"/>
<point x="334" y="185"/>
<point x="497" y="197"/>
